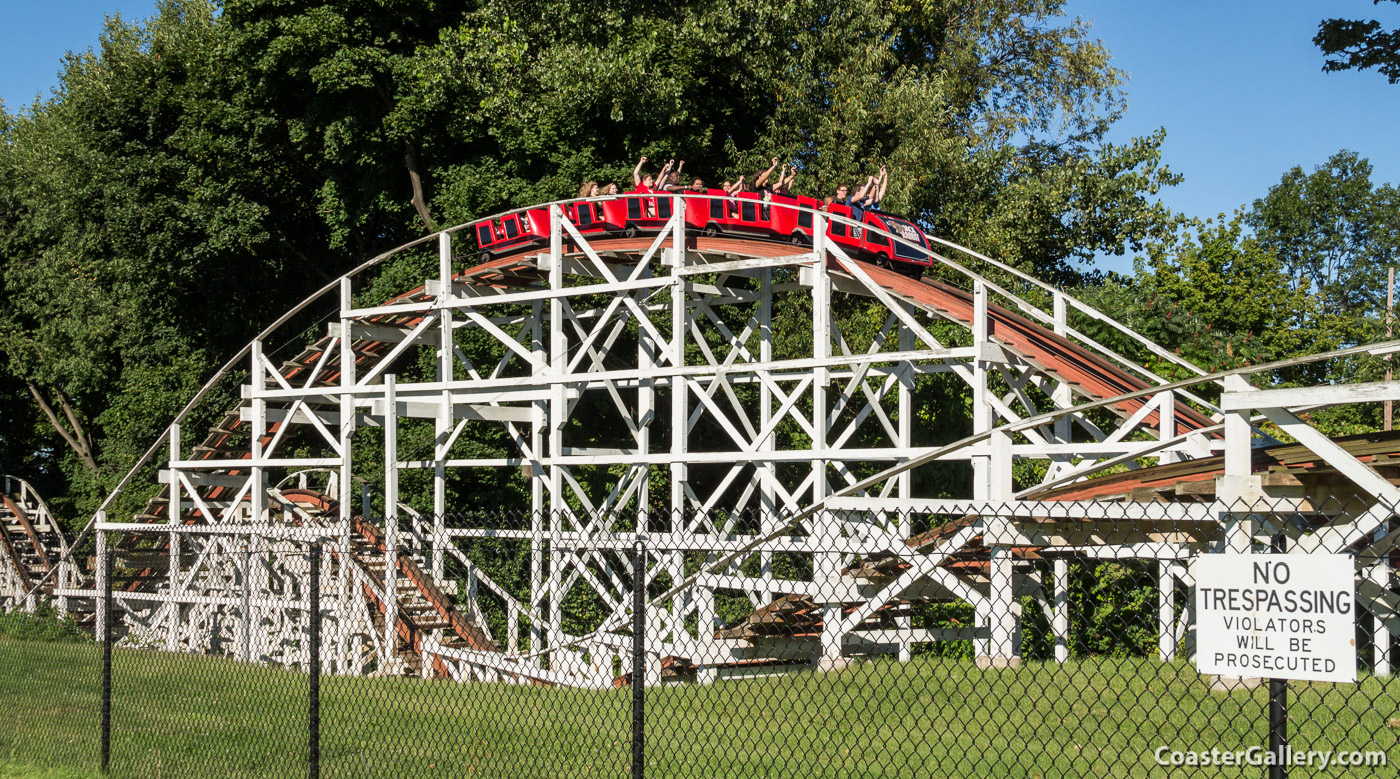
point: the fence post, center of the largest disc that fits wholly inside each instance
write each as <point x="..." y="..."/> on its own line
<point x="1278" y="708"/>
<point x="313" y="715"/>
<point x="639" y="625"/>
<point x="105" y="560"/>
<point x="246" y="645"/>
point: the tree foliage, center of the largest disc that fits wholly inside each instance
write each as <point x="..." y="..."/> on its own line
<point x="145" y="236"/>
<point x="1302" y="271"/>
<point x="1334" y="234"/>
<point x="1360" y="44"/>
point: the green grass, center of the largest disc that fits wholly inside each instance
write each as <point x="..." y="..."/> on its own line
<point x="184" y="716"/>
<point x="10" y="770"/>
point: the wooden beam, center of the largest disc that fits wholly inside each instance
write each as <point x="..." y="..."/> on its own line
<point x="367" y="331"/>
<point x="1331" y="394"/>
<point x="751" y="264"/>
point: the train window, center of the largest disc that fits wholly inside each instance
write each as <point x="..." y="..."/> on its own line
<point x="876" y="239"/>
<point x="804" y="219"/>
<point x="747" y="212"/>
<point x="585" y="214"/>
<point x="716" y="209"/>
<point x="663" y="207"/>
<point x="483" y="235"/>
<point x="512" y="228"/>
<point x="838" y="228"/>
<point x="634" y="208"/>
<point x="905" y="251"/>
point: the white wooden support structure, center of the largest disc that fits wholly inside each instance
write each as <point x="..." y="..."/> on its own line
<point x="671" y="385"/>
<point x="388" y="655"/>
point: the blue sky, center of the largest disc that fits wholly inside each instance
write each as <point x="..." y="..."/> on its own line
<point x="34" y="34"/>
<point x="1238" y="85"/>
<point x="1240" y="89"/>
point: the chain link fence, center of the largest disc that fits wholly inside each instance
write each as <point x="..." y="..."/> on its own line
<point x="966" y="640"/>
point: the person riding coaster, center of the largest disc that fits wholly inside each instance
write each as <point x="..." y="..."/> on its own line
<point x="740" y="209"/>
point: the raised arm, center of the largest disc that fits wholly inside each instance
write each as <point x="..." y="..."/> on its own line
<point x="884" y="184"/>
<point x="765" y="175"/>
<point x="665" y="171"/>
<point x="637" y="172"/>
<point x="859" y="195"/>
<point x="786" y="184"/>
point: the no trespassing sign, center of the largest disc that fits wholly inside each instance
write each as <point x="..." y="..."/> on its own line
<point x="1276" y="615"/>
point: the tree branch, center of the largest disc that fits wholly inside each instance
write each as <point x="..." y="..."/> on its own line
<point x="415" y="177"/>
<point x="78" y="430"/>
<point x="75" y="443"/>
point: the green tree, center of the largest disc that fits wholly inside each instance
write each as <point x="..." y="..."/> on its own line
<point x="1358" y="44"/>
<point x="1237" y="287"/>
<point x="1302" y="271"/>
<point x="144" y="236"/>
<point x="990" y="113"/>
<point x="1334" y="233"/>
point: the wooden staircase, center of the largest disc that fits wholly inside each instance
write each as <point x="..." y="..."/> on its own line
<point x="423" y="608"/>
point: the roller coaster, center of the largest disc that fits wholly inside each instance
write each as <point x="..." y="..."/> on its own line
<point x="35" y="559"/>
<point x="758" y="398"/>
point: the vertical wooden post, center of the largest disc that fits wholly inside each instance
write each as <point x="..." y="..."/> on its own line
<point x="1389" y="334"/>
<point x="446" y="414"/>
<point x="257" y="500"/>
<point x="1238" y="468"/>
<point x="343" y="640"/>
<point x="1062" y="395"/>
<point x="902" y="524"/>
<point x="1060" y="626"/>
<point x="673" y="560"/>
<point x="767" y="470"/>
<point x="173" y="518"/>
<point x="1002" y="605"/>
<point x="826" y="562"/>
<point x="1166" y="611"/>
<point x="1166" y="414"/>
<point x="391" y="519"/>
<point x="982" y="419"/>
<point x="558" y="420"/>
<point x="680" y="391"/>
<point x="538" y="505"/>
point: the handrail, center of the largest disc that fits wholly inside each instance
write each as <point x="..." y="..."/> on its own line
<point x="417" y="530"/>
